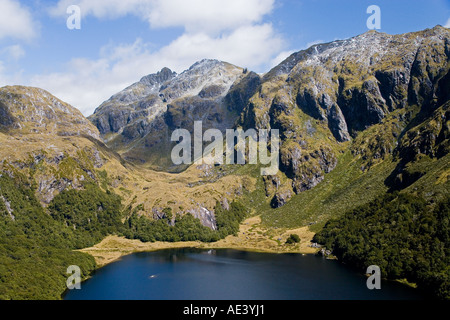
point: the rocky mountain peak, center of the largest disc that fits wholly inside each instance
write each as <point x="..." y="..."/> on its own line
<point x="204" y="73"/>
<point x="148" y="108"/>
<point x="320" y="99"/>
<point x="363" y="46"/>
<point x="206" y="64"/>
<point x="158" y="78"/>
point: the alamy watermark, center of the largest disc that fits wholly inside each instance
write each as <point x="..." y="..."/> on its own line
<point x="74" y="281"/>
<point x="241" y="147"/>
<point x="74" y="20"/>
<point x="374" y="280"/>
<point x="374" y="21"/>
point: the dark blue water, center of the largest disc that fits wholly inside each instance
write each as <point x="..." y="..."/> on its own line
<point x="189" y="274"/>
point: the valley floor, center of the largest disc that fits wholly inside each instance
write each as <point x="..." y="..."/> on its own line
<point x="252" y="237"/>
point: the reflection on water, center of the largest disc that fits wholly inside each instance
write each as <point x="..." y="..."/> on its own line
<point x="194" y="274"/>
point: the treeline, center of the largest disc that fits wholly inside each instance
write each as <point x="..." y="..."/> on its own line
<point x="404" y="235"/>
<point x="186" y="228"/>
<point x="37" y="245"/>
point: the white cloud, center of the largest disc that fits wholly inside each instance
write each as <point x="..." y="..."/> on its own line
<point x="86" y="83"/>
<point x="447" y="25"/>
<point x="208" y="16"/>
<point x="248" y="46"/>
<point x="16" y="21"/>
<point x="14" y="52"/>
<point x="232" y="32"/>
<point x="2" y="71"/>
<point x="10" y="76"/>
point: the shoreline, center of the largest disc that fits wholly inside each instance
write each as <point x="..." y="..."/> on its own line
<point x="252" y="237"/>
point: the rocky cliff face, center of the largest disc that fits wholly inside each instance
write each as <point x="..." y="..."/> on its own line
<point x="353" y="84"/>
<point x="375" y="96"/>
<point x="325" y="96"/>
<point x="140" y="100"/>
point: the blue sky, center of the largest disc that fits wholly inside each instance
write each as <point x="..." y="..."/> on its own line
<point x="121" y="41"/>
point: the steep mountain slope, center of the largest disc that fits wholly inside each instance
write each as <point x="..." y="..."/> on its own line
<point x="46" y="147"/>
<point x="27" y="110"/>
<point x="56" y="148"/>
<point x="48" y="140"/>
<point x="363" y="95"/>
<point x="378" y="106"/>
<point x="138" y="121"/>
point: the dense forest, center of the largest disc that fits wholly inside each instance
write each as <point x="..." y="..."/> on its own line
<point x="91" y="213"/>
<point x="38" y="244"/>
<point x="35" y="249"/>
<point x="404" y="235"/>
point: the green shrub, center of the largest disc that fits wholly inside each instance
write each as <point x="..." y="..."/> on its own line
<point x="293" y="238"/>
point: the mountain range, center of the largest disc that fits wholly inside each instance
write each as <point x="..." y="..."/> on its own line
<point x="358" y="94"/>
<point x="358" y="118"/>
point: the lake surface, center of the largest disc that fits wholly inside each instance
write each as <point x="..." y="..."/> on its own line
<point x="190" y="274"/>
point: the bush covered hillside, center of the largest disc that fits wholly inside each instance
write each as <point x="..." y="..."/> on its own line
<point x="402" y="234"/>
<point x="35" y="249"/>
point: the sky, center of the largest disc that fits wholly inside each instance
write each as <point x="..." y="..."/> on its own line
<point x="120" y="41"/>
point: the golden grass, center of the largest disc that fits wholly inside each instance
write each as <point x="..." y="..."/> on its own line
<point x="112" y="248"/>
<point x="254" y="237"/>
<point x="163" y="190"/>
